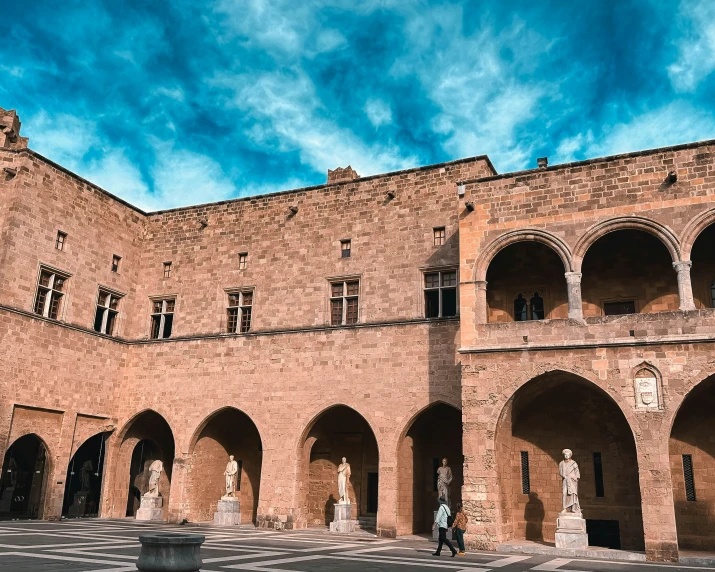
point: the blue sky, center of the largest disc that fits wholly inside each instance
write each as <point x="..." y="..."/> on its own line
<point x="176" y="103"/>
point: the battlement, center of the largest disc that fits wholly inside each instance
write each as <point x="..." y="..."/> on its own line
<point x="10" y="130"/>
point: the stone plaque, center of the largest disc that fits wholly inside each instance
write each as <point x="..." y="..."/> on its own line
<point x="647" y="393"/>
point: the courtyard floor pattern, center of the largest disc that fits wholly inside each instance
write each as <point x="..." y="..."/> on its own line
<point x="113" y="546"/>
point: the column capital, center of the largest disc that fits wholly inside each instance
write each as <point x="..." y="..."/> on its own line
<point x="682" y="265"/>
<point x="481" y="284"/>
<point x="573" y="276"/>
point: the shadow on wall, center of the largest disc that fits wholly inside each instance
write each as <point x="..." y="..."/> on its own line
<point x="329" y="509"/>
<point x="534" y="516"/>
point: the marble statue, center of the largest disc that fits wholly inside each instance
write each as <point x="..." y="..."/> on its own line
<point x="444" y="479"/>
<point x="343" y="482"/>
<point x="568" y="469"/>
<point x="155" y="470"/>
<point x="230" y="474"/>
<point x="85" y="471"/>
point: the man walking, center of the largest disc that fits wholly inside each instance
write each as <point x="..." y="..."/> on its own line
<point x="440" y="521"/>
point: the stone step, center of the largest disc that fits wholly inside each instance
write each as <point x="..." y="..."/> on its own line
<point x="367" y="522"/>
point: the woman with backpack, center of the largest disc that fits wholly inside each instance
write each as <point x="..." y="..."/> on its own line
<point x="460" y="527"/>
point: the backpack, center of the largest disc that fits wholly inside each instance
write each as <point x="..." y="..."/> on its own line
<point x="450" y="521"/>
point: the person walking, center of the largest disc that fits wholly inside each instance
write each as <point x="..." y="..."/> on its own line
<point x="440" y="521"/>
<point x="460" y="527"/>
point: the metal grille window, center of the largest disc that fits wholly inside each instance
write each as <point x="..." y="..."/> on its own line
<point x="167" y="269"/>
<point x="50" y="291"/>
<point x="60" y="242"/>
<point x="712" y="293"/>
<point x="689" y="480"/>
<point x="439" y="234"/>
<point x="105" y="318"/>
<point x="115" y="263"/>
<point x="619" y="308"/>
<point x="239" y="312"/>
<point x="162" y="318"/>
<point x="525" y="479"/>
<point x="441" y="294"/>
<point x="344" y="297"/>
<point x="598" y="474"/>
<point x="242" y="260"/>
<point x="345" y="246"/>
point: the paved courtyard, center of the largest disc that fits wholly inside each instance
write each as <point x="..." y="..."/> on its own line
<point x="113" y="546"/>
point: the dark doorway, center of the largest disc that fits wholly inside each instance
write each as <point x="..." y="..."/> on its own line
<point x="83" y="484"/>
<point x="23" y="478"/>
<point x="372" y="493"/>
<point x="603" y="533"/>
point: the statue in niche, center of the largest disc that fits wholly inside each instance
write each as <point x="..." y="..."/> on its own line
<point x="155" y="470"/>
<point x="568" y="469"/>
<point x="444" y="479"/>
<point x="230" y="474"/>
<point x="343" y="482"/>
<point x="537" y="307"/>
<point x="85" y="471"/>
<point x="12" y="469"/>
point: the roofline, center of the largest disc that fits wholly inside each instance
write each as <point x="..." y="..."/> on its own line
<point x="251" y="197"/>
<point x="561" y="166"/>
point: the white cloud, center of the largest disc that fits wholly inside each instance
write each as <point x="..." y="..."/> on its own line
<point x="696" y="47"/>
<point x="378" y="112"/>
<point x="289" y="117"/>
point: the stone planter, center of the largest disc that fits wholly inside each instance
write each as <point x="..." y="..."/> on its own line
<point x="166" y="552"/>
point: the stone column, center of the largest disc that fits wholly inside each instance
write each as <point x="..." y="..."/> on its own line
<point x="685" y="287"/>
<point x="51" y="507"/>
<point x="176" y="508"/>
<point x="656" y="484"/>
<point x="480" y="308"/>
<point x="573" y="289"/>
<point x="387" y="494"/>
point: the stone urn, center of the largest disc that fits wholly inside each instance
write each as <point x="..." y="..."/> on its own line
<point x="167" y="552"/>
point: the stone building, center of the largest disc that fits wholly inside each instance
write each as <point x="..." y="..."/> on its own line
<point x="443" y="311"/>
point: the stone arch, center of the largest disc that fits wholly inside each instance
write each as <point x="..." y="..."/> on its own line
<point x="692" y="231"/>
<point x="692" y="464"/>
<point x="337" y="431"/>
<point x="599" y="230"/>
<point x="226" y="431"/>
<point x="79" y="501"/>
<point x="527" y="234"/>
<point x="28" y="493"/>
<point x="544" y="414"/>
<point x="419" y="452"/>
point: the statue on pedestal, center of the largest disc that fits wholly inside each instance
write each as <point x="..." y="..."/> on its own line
<point x="85" y="471"/>
<point x="343" y="481"/>
<point x="230" y="474"/>
<point x="155" y="470"/>
<point x="568" y="469"/>
<point x="444" y="479"/>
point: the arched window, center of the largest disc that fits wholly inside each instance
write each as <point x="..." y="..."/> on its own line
<point x="520" y="309"/>
<point x="537" y="307"/>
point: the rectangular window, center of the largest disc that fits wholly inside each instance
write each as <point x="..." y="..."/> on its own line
<point x="525" y="478"/>
<point x="441" y="294"/>
<point x="598" y="474"/>
<point x="239" y="312"/>
<point x="242" y="260"/>
<point x="167" y="269"/>
<point x="345" y="248"/>
<point x="105" y="317"/>
<point x="344" y="305"/>
<point x="689" y="480"/>
<point x="619" y="308"/>
<point x="50" y="290"/>
<point x="162" y="318"/>
<point x="115" y="263"/>
<point x="439" y="235"/>
<point x="60" y="242"/>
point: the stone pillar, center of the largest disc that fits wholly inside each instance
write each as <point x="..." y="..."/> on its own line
<point x="387" y="494"/>
<point x="176" y="509"/>
<point x="656" y="484"/>
<point x="480" y="308"/>
<point x="573" y="289"/>
<point x="685" y="287"/>
<point x="51" y="507"/>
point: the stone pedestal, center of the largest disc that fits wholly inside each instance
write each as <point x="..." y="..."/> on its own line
<point x="6" y="499"/>
<point x="571" y="531"/>
<point x="151" y="508"/>
<point x="79" y="506"/>
<point x="228" y="512"/>
<point x="342" y="519"/>
<point x="435" y="530"/>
